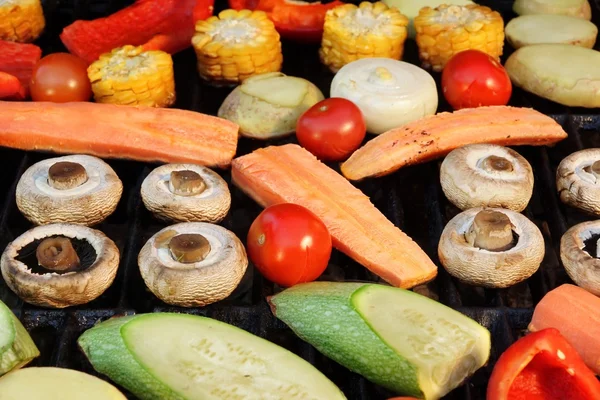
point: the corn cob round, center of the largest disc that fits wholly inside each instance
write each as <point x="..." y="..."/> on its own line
<point x="131" y="76"/>
<point x="369" y="30"/>
<point x="449" y="29"/>
<point x="21" y="20"/>
<point x="235" y="45"/>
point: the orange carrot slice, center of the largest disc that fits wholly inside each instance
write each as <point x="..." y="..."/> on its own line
<point x="290" y="174"/>
<point x="575" y="312"/>
<point x="435" y="136"/>
<point x="112" y="131"/>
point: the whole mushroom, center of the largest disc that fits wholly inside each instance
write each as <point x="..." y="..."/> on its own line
<point x="491" y="247"/>
<point x="578" y="180"/>
<point x="186" y="193"/>
<point x="60" y="265"/>
<point x="76" y="189"/>
<point x="487" y="175"/>
<point x="582" y="266"/>
<point x="192" y="264"/>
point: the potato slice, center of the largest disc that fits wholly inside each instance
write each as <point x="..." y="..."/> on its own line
<point x="575" y="8"/>
<point x="282" y="91"/>
<point x="542" y="28"/>
<point x="568" y="75"/>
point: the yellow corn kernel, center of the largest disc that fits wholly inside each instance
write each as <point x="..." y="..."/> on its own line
<point x="449" y="29"/>
<point x="235" y="45"/>
<point x="21" y="20"/>
<point x="352" y="32"/>
<point x="131" y="76"/>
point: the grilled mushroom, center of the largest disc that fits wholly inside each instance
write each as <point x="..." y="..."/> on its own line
<point x="192" y="264"/>
<point x="578" y="180"/>
<point x="582" y="266"/>
<point x="492" y="247"/>
<point x="75" y="189"/>
<point x="60" y="265"/>
<point x="186" y="193"/>
<point x="487" y="175"/>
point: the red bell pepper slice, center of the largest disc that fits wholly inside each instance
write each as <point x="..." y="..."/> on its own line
<point x="19" y="59"/>
<point x="542" y="366"/>
<point x="11" y="88"/>
<point x="293" y="19"/>
<point x="166" y="25"/>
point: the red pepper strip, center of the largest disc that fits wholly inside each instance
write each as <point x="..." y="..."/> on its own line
<point x="542" y="366"/>
<point x="11" y="88"/>
<point x="295" y="20"/>
<point x="166" y="25"/>
<point x="19" y="59"/>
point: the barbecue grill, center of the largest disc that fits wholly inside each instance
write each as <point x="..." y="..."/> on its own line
<point x="411" y="198"/>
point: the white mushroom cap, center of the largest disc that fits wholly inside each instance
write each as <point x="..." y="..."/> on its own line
<point x="87" y="204"/>
<point x="577" y="185"/>
<point x="61" y="290"/>
<point x="492" y="269"/>
<point x="210" y="205"/>
<point x="582" y="267"/>
<point x="199" y="283"/>
<point x="487" y="175"/>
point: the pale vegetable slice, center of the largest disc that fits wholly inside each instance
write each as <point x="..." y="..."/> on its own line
<point x="16" y="347"/>
<point x="55" y="384"/>
<point x="284" y="91"/>
<point x="569" y="75"/>
<point x="576" y="8"/>
<point x="393" y="337"/>
<point x="184" y="357"/>
<point x="541" y="28"/>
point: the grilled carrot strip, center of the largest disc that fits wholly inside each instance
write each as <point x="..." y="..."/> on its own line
<point x="290" y="174"/>
<point x="113" y="131"/>
<point x="435" y="136"/>
<point x="11" y="88"/>
<point x="21" y="20"/>
<point x="19" y="59"/>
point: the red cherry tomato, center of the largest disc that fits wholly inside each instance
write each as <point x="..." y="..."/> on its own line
<point x="60" y="78"/>
<point x="473" y="78"/>
<point x="331" y="129"/>
<point x="289" y="244"/>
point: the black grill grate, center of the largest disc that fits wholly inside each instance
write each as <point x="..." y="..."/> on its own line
<point x="411" y="198"/>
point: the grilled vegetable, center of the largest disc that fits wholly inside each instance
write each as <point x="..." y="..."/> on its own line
<point x="541" y="70"/>
<point x="60" y="78"/>
<point x="49" y="383"/>
<point x="21" y="20"/>
<point x="369" y="30"/>
<point x="575" y="312"/>
<point x="111" y="131"/>
<point x="267" y="106"/>
<point x="540" y="29"/>
<point x="577" y="180"/>
<point x="396" y="338"/>
<point x="294" y="19"/>
<point x="131" y="76"/>
<point x="19" y="60"/>
<point x="236" y="45"/>
<point x="576" y="8"/>
<point x="449" y="29"/>
<point x="542" y="365"/>
<point x="435" y="136"/>
<point x="389" y="93"/>
<point x="16" y="347"/>
<point x="582" y="265"/>
<point x="11" y="88"/>
<point x="176" y="356"/>
<point x="166" y="25"/>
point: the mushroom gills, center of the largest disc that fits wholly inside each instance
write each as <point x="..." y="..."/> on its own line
<point x="496" y="164"/>
<point x="186" y="183"/>
<point x="492" y="231"/>
<point x="65" y="175"/>
<point x="189" y="247"/>
<point x="55" y="261"/>
<point x="591" y="245"/>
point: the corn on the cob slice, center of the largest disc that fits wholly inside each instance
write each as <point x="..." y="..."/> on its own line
<point x="369" y="30"/>
<point x="21" y="20"/>
<point x="131" y="76"/>
<point x="235" y="45"/>
<point x="449" y="29"/>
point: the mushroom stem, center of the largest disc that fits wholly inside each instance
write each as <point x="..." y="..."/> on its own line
<point x="496" y="164"/>
<point x="189" y="248"/>
<point x="186" y="183"/>
<point x="594" y="169"/>
<point x="598" y="248"/>
<point x="57" y="254"/>
<point x="66" y="175"/>
<point x="491" y="230"/>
